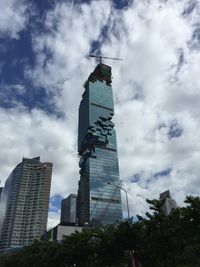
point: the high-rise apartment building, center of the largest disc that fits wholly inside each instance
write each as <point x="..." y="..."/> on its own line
<point x="24" y="203"/>
<point x="68" y="209"/>
<point x="98" y="202"/>
<point x="169" y="203"/>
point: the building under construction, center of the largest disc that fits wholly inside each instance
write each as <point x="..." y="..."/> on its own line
<point x="98" y="202"/>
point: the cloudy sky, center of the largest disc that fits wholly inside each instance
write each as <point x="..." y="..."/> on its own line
<point x="44" y="62"/>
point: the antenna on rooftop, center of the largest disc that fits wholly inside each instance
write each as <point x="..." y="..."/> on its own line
<point x="100" y="57"/>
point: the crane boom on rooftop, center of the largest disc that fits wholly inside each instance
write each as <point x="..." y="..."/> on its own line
<point x="100" y="57"/>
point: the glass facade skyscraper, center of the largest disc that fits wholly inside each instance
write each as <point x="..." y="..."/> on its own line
<point x="98" y="202"/>
<point x="68" y="209"/>
<point x="24" y="203"/>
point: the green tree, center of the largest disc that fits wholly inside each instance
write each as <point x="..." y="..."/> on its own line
<point x="156" y="239"/>
<point x="171" y="240"/>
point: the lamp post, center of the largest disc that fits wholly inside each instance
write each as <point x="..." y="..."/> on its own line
<point x="126" y="197"/>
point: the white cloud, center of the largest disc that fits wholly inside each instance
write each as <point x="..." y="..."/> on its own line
<point x="32" y="134"/>
<point x="71" y="29"/>
<point x="152" y="90"/>
<point x="146" y="98"/>
<point x="53" y="219"/>
<point x="13" y="17"/>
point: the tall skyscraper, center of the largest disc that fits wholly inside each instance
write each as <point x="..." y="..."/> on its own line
<point x="98" y="202"/>
<point x="68" y="209"/>
<point x="1" y="189"/>
<point x="169" y="203"/>
<point x="24" y="203"/>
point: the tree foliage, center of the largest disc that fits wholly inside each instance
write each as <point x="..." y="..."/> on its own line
<point x="156" y="240"/>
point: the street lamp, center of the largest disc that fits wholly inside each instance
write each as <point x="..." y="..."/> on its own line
<point x="126" y="196"/>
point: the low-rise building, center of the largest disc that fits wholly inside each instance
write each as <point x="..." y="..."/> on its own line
<point x="63" y="229"/>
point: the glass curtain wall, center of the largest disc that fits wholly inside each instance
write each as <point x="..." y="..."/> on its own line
<point x="98" y="202"/>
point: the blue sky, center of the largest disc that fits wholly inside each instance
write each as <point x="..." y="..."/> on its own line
<point x="44" y="62"/>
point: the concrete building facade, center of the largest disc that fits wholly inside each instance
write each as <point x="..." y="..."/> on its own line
<point x="58" y="232"/>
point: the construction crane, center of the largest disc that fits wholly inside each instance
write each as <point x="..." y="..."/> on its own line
<point x="100" y="57"/>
